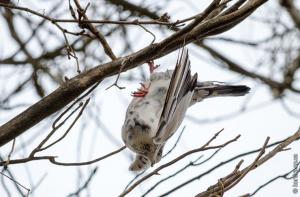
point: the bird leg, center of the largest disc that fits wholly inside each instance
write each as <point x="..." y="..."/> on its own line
<point x="152" y="66"/>
<point x="141" y="92"/>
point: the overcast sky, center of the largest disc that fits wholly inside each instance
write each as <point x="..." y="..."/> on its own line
<point x="263" y="117"/>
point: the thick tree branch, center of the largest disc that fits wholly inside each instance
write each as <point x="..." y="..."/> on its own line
<point x="72" y="88"/>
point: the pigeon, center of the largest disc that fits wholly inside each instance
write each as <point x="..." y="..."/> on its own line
<point x="159" y="106"/>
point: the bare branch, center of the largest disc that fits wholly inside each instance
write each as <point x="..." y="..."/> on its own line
<point x="16" y="182"/>
<point x="203" y="148"/>
<point x="234" y="178"/>
<point x="52" y="159"/>
<point x="98" y="34"/>
<point x="75" y="86"/>
<point x="292" y="10"/>
<point x="295" y="170"/>
<point x="86" y="184"/>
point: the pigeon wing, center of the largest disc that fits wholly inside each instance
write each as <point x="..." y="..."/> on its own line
<point x="178" y="98"/>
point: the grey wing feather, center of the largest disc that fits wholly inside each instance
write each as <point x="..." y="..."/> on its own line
<point x="211" y="89"/>
<point x="178" y="98"/>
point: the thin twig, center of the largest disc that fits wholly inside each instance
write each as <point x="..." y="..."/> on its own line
<point x="70" y="127"/>
<point x="152" y="34"/>
<point x="99" y="36"/>
<point x="175" y="144"/>
<point x="234" y="178"/>
<point x="295" y="170"/>
<point x="75" y="86"/>
<point x="39" y="147"/>
<point x="86" y="184"/>
<point x="10" y="153"/>
<point x="16" y="182"/>
<point x="52" y="159"/>
<point x="123" y="64"/>
<point x="155" y="172"/>
<point x="190" y="164"/>
<point x="76" y="101"/>
<point x="217" y="166"/>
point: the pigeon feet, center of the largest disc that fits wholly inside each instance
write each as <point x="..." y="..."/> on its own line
<point x="152" y="66"/>
<point x="141" y="92"/>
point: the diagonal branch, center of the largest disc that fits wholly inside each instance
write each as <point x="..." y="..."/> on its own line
<point x="72" y="88"/>
<point x="290" y="7"/>
<point x="202" y="148"/>
<point x="93" y="29"/>
<point x="229" y="181"/>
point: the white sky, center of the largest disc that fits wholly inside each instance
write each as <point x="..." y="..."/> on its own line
<point x="269" y="119"/>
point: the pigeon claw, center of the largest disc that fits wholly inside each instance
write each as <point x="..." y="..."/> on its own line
<point x="141" y="92"/>
<point x="152" y="66"/>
